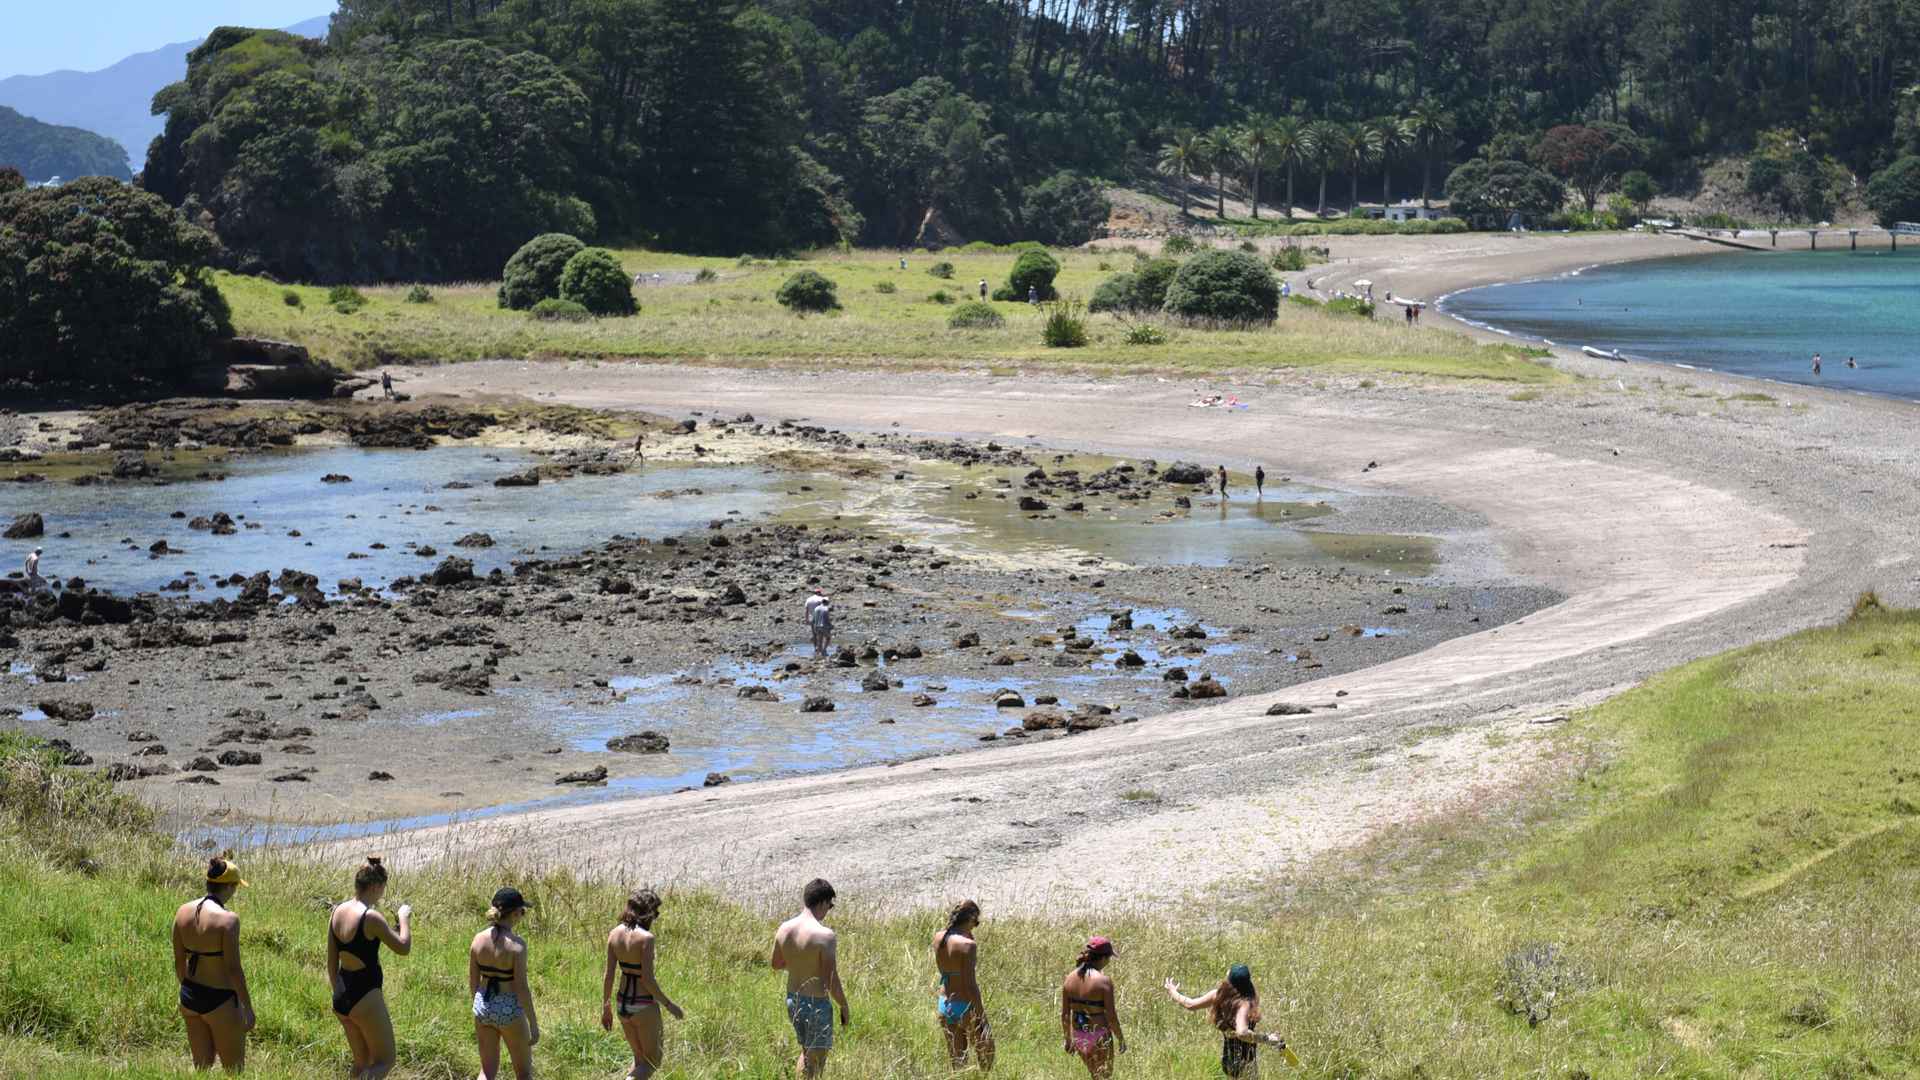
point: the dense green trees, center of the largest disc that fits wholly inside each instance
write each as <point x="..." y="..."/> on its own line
<point x="1894" y="192"/>
<point x="43" y="151"/>
<point x="99" y="280"/>
<point x="1065" y="210"/>
<point x="1224" y="286"/>
<point x="1589" y="157"/>
<point x="1491" y="192"/>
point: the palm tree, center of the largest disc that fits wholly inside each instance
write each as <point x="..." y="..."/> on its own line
<point x="1218" y="151"/>
<point x="1255" y="137"/>
<point x="1291" y="149"/>
<point x="1322" y="146"/>
<point x="1394" y="136"/>
<point x="1359" y="146"/>
<point x="1432" y="127"/>
<point x="1179" y="159"/>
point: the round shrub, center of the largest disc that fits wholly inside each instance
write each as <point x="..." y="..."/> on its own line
<point x="554" y="309"/>
<point x="595" y="280"/>
<point x="419" y="294"/>
<point x="975" y="316"/>
<point x="533" y="274"/>
<point x="940" y="296"/>
<point x="1114" y="294"/>
<point x="1894" y="192"/>
<point x="1224" y="286"/>
<point x="346" y="299"/>
<point x="1033" y="271"/>
<point x="885" y="287"/>
<point x="1179" y="245"/>
<point x="1151" y="281"/>
<point x="808" y="290"/>
<point x="941" y="270"/>
<point x="290" y="298"/>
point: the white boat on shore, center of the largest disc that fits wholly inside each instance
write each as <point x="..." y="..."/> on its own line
<point x="1602" y="354"/>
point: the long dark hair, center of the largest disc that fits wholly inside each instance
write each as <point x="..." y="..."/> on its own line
<point x="964" y="910"/>
<point x="1227" y="999"/>
<point x="643" y="906"/>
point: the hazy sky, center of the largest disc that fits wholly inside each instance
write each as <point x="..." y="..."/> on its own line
<point x="38" y="36"/>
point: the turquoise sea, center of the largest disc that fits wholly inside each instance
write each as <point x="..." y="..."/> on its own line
<point x="1764" y="315"/>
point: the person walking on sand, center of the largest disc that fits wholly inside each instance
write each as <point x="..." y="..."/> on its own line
<point x="355" y="931"/>
<point x="502" y="999"/>
<point x="1234" y="1008"/>
<point x="808" y="952"/>
<point x="1089" y="1010"/>
<point x="1223" y="481"/>
<point x="963" y="1015"/>
<point x="386" y="384"/>
<point x="1259" y="481"/>
<point x="214" y="1000"/>
<point x="630" y="954"/>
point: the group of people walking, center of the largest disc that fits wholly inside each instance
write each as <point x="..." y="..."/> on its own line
<point x="217" y="1005"/>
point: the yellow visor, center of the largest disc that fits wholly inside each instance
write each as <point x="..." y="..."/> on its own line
<point x="229" y="876"/>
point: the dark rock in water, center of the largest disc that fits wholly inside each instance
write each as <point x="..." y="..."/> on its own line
<point x="151" y="750"/>
<point x="1120" y="620"/>
<point x="817" y="704"/>
<point x="733" y="595"/>
<point x="1183" y="503"/>
<point x="616" y="586"/>
<point x="846" y="657"/>
<point x="239" y="757"/>
<point x="1130" y="659"/>
<point x="1043" y="720"/>
<point x="474" y="540"/>
<point x="378" y="775"/>
<point x="26" y="527"/>
<point x="452" y="571"/>
<point x="967" y="640"/>
<point x="203" y="764"/>
<point x="757" y="693"/>
<point x="159" y="547"/>
<point x="922" y="700"/>
<point x="909" y="651"/>
<point x="1003" y="660"/>
<point x="1190" y="632"/>
<point x="685" y="427"/>
<point x="1185" y="472"/>
<point x="1028" y="502"/>
<point x="68" y="712"/>
<point x="426" y="551"/>
<point x="875" y="682"/>
<point x="336" y="478"/>
<point x="530" y="478"/>
<point x="455" y="485"/>
<point x="1205" y="687"/>
<point x="133" y="467"/>
<point x="595" y="775"/>
<point x="1046" y="699"/>
<point x="645" y="742"/>
<point x="1005" y="698"/>
<point x="715" y="779"/>
<point x="1175" y="674"/>
<point x="1282" y="708"/>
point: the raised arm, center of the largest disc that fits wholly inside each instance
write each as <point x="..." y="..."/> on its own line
<point x="237" y="973"/>
<point x="400" y="939"/>
<point x="1185" y="1002"/>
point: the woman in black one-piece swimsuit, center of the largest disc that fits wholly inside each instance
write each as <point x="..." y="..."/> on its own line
<point x="354" y="933"/>
<point x="206" y="959"/>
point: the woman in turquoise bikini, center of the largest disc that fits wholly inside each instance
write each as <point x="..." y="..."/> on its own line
<point x="1090" y="1012"/>
<point x="963" y="1016"/>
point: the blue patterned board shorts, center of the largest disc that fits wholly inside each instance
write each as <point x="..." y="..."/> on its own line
<point x="812" y="1019"/>
<point x="501" y="1009"/>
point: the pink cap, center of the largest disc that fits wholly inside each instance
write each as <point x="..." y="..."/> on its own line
<point x="1100" y="946"/>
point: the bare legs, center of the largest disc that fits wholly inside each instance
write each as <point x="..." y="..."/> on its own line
<point x="519" y="1040"/>
<point x="645" y="1034"/>
<point x="370" y="1036"/>
<point x="216" y="1036"/>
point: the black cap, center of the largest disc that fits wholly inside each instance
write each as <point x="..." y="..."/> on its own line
<point x="508" y="900"/>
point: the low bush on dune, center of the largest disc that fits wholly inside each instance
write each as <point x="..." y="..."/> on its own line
<point x="558" y="310"/>
<point x="1065" y="328"/>
<point x="809" y="291"/>
<point x="1224" y="287"/>
<point x="975" y="315"/>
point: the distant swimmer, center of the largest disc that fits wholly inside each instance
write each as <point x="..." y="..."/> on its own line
<point x="1850" y="363"/>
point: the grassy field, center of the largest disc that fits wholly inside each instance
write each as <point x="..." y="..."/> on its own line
<point x="734" y="319"/>
<point x="1725" y="866"/>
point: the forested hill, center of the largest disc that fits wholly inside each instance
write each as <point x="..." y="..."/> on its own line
<point x="443" y="134"/>
<point x="44" y="151"/>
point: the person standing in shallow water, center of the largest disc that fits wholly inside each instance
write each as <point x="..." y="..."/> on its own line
<point x="1090" y="1011"/>
<point x="1816" y="363"/>
<point x="808" y="952"/>
<point x="214" y="1000"/>
<point x="1259" y="480"/>
<point x="355" y="931"/>
<point x="962" y="1013"/>
<point x="1223" y="481"/>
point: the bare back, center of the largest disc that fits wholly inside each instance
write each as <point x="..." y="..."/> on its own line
<point x="807" y="948"/>
<point x="498" y="948"/>
<point x="632" y="945"/>
<point x="1082" y="988"/>
<point x="956" y="957"/>
<point x="205" y="928"/>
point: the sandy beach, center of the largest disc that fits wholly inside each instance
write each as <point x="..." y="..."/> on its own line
<point x="1678" y="519"/>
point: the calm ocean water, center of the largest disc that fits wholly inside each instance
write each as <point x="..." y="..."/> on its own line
<point x="1762" y="315"/>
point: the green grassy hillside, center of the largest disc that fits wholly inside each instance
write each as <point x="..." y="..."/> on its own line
<point x="1724" y="865"/>
<point x="734" y="319"/>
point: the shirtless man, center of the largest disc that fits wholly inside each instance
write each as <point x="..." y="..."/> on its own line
<point x="805" y="949"/>
<point x="34" y="581"/>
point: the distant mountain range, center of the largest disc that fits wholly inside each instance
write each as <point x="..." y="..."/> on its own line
<point x="44" y="151"/>
<point x="114" y="101"/>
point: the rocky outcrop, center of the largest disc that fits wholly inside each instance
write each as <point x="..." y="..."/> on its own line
<point x="643" y="742"/>
<point x="26" y="527"/>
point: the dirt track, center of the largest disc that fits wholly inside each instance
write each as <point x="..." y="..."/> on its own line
<point x="1680" y="545"/>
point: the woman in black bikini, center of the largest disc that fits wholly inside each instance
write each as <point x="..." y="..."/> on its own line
<point x="1089" y="1014"/>
<point x="1234" y="1007"/>
<point x="206" y="959"/>
<point x="630" y="956"/>
<point x="354" y="933"/>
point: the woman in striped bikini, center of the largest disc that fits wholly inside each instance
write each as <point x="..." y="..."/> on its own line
<point x="630" y="956"/>
<point x="1089" y="1011"/>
